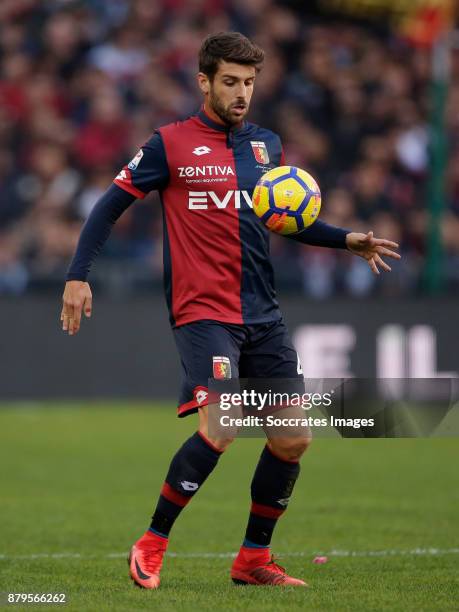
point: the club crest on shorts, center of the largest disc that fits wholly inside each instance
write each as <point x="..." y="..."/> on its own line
<point x="260" y="151"/>
<point x="221" y="367"/>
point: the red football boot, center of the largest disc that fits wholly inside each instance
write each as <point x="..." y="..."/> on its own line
<point x="146" y="558"/>
<point x="257" y="566"/>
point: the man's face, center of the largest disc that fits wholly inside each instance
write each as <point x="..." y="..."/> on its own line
<point x="230" y="91"/>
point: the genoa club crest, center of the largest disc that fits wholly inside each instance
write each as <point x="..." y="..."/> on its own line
<point x="221" y="367"/>
<point x="260" y="151"/>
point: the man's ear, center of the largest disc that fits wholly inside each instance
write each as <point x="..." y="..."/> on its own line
<point x="203" y="82"/>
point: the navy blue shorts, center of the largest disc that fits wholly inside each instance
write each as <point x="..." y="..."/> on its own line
<point x="210" y="349"/>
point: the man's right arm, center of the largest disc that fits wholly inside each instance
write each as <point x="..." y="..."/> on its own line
<point x="147" y="171"/>
<point x="77" y="293"/>
<point x="97" y="229"/>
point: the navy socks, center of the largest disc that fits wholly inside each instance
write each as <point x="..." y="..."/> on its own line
<point x="272" y="486"/>
<point x="189" y="468"/>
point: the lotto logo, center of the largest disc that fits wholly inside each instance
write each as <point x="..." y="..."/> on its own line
<point x="189" y="486"/>
<point x="203" y="150"/>
<point x="201" y="396"/>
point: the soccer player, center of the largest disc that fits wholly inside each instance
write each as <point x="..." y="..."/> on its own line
<point x="219" y="289"/>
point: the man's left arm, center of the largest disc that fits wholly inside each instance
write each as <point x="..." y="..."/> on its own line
<point x="364" y="245"/>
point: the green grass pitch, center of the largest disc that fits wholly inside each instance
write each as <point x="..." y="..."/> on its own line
<point x="83" y="480"/>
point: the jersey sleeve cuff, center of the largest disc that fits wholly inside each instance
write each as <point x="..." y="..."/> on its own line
<point x="130" y="189"/>
<point x="338" y="240"/>
<point x="341" y="238"/>
<point x="322" y="234"/>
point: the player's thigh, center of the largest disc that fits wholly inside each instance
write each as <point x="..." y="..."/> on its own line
<point x="269" y="353"/>
<point x="207" y="349"/>
<point x="271" y="356"/>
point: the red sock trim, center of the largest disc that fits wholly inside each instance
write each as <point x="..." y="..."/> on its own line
<point x="265" y="511"/>
<point x="209" y="443"/>
<point x="281" y="458"/>
<point x="174" y="496"/>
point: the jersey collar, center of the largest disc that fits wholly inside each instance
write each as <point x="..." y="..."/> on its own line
<point x="204" y="117"/>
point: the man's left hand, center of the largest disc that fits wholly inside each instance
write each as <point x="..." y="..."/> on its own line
<point x="371" y="249"/>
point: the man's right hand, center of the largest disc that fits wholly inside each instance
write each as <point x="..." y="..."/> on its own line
<point x="77" y="297"/>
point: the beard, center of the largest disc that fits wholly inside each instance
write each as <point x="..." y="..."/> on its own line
<point x="223" y="112"/>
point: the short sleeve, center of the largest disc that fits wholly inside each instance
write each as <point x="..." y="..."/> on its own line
<point x="147" y="171"/>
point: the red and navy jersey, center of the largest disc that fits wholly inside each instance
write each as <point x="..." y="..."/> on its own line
<point x="216" y="250"/>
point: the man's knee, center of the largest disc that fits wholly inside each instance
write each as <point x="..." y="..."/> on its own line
<point x="220" y="442"/>
<point x="290" y="449"/>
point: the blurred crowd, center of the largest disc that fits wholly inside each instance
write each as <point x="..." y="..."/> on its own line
<point x="83" y="84"/>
